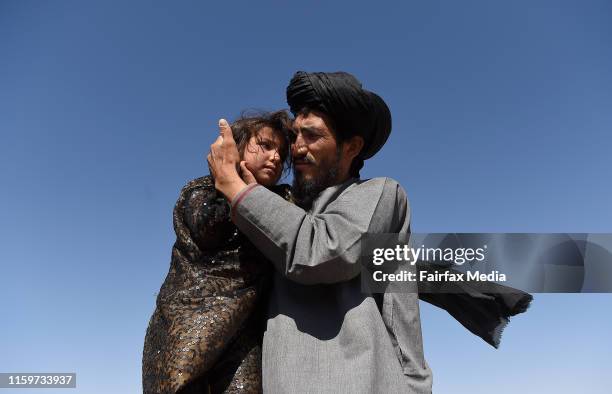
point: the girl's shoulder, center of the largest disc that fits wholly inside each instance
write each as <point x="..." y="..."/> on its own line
<point x="203" y="184"/>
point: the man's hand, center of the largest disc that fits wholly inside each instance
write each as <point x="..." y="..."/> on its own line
<point x="223" y="161"/>
<point x="246" y="175"/>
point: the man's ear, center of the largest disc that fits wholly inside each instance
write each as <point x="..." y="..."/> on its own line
<point x="353" y="146"/>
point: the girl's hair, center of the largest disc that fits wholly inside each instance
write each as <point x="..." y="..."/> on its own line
<point x="249" y="123"/>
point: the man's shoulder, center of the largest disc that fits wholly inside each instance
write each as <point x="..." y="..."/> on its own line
<point x="381" y="180"/>
<point x="388" y="186"/>
<point x="386" y="191"/>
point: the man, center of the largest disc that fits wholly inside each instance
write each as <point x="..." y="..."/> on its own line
<point x="323" y="334"/>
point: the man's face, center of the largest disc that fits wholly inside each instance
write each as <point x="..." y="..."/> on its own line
<point x="314" y="149"/>
<point x="317" y="161"/>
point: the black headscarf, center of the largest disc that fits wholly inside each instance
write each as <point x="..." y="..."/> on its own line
<point x="354" y="110"/>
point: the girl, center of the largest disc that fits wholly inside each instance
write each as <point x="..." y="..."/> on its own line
<point x="204" y="335"/>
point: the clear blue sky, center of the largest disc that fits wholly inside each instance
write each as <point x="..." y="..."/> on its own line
<point x="502" y="122"/>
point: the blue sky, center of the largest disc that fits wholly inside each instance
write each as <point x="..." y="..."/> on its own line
<point x="502" y="122"/>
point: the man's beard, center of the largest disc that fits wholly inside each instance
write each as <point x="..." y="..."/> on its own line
<point x="305" y="191"/>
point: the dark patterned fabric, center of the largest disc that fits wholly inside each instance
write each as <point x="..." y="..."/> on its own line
<point x="205" y="333"/>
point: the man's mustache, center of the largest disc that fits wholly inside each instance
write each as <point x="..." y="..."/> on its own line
<point x="304" y="160"/>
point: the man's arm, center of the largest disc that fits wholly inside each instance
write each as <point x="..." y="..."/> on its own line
<point x="323" y="247"/>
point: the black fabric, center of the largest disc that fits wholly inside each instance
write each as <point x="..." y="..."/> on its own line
<point x="484" y="308"/>
<point x="354" y="110"/>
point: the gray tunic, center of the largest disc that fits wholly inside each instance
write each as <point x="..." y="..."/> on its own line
<point x="323" y="334"/>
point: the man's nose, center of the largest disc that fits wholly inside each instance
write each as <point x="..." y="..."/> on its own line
<point x="299" y="147"/>
<point x="299" y="141"/>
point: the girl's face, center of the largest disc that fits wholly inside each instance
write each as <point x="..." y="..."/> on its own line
<point x="262" y="156"/>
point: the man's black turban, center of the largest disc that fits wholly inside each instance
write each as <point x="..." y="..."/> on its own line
<point x="354" y="110"/>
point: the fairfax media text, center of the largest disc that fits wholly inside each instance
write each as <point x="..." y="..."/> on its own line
<point x="444" y="276"/>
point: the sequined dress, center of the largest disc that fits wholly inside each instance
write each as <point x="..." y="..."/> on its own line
<point x="205" y="333"/>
